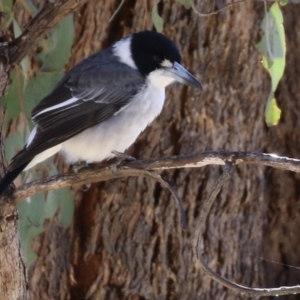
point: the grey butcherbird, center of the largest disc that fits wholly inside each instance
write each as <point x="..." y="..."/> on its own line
<point x="103" y="103"/>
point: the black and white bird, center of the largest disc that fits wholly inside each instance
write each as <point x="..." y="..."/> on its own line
<point x="103" y="103"/>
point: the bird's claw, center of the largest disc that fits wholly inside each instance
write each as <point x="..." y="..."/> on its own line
<point x="120" y="157"/>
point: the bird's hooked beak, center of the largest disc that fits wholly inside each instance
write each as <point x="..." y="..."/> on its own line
<point x="180" y="74"/>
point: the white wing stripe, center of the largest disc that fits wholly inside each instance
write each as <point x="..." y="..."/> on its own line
<point x="31" y="136"/>
<point x="65" y="103"/>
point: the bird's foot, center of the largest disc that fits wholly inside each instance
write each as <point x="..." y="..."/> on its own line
<point x="120" y="157"/>
<point x="78" y="166"/>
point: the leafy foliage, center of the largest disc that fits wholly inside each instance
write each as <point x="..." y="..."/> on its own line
<point x="23" y="94"/>
<point x="273" y="49"/>
<point x="157" y="20"/>
<point x="185" y="3"/>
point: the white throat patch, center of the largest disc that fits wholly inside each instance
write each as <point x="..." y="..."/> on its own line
<point x="122" y="50"/>
<point x="159" y="80"/>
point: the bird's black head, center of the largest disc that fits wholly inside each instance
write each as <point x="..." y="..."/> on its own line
<point x="156" y="57"/>
<point x="151" y="50"/>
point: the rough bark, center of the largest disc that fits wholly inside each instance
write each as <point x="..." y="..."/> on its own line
<point x="13" y="274"/>
<point x="126" y="241"/>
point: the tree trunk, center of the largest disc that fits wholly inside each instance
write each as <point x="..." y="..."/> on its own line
<point x="126" y="241"/>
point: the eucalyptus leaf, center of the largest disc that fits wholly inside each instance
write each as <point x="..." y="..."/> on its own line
<point x="17" y="32"/>
<point x="273" y="46"/>
<point x="67" y="207"/>
<point x="57" y="47"/>
<point x="7" y="6"/>
<point x="13" y="100"/>
<point x="35" y="209"/>
<point x="52" y="204"/>
<point x="157" y="19"/>
<point x="272" y="112"/>
<point x="29" y="227"/>
<point x="31" y="7"/>
<point x="53" y="197"/>
<point x="13" y="144"/>
<point x="283" y="2"/>
<point x="185" y="3"/>
<point x="16" y="28"/>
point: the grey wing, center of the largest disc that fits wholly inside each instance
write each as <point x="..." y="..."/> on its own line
<point x="84" y="98"/>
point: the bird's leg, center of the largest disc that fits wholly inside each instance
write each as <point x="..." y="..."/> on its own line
<point x="120" y="158"/>
<point x="76" y="168"/>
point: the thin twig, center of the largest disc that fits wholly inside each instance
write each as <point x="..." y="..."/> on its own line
<point x="213" y="12"/>
<point x="199" y="244"/>
<point x="169" y="186"/>
<point x="116" y="11"/>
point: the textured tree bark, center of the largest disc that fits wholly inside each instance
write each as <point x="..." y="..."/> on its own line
<point x="126" y="241"/>
<point x="13" y="274"/>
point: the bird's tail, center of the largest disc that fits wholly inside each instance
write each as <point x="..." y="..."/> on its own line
<point x="10" y="176"/>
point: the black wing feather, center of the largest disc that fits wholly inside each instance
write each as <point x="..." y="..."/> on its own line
<point x="102" y="86"/>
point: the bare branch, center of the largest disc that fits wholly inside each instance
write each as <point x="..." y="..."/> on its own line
<point x="213" y="12"/>
<point x="199" y="245"/>
<point x="146" y="167"/>
<point x="170" y="187"/>
<point x="116" y="11"/>
<point x="46" y="19"/>
<point x="139" y="167"/>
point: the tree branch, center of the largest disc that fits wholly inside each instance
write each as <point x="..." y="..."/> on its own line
<point x="144" y="166"/>
<point x="47" y="18"/>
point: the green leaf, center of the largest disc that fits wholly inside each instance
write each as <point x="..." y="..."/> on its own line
<point x="52" y="204"/>
<point x="53" y="197"/>
<point x="67" y="207"/>
<point x="7" y="6"/>
<point x="57" y="47"/>
<point x="186" y="3"/>
<point x="272" y="112"/>
<point x="13" y="100"/>
<point x="17" y="32"/>
<point x="157" y="19"/>
<point x="273" y="46"/>
<point x="16" y="28"/>
<point x="31" y="223"/>
<point x="35" y="209"/>
<point x="31" y="7"/>
<point x="13" y="144"/>
<point x="283" y="2"/>
<point x="27" y="234"/>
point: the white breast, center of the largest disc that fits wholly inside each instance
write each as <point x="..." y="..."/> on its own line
<point x="117" y="133"/>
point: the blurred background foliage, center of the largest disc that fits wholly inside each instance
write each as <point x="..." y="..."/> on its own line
<point x="33" y="79"/>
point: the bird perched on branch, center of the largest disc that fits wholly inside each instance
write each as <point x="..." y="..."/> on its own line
<point x="103" y="103"/>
